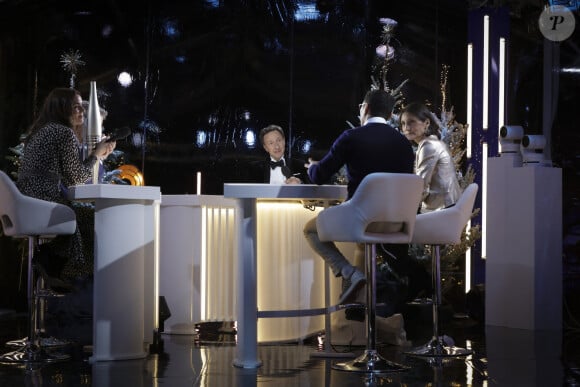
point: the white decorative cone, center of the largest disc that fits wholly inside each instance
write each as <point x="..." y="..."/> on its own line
<point x="94" y="127"/>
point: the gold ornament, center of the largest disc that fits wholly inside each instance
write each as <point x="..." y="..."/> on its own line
<point x="131" y="174"/>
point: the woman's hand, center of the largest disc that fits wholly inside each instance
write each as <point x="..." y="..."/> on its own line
<point x="104" y="148"/>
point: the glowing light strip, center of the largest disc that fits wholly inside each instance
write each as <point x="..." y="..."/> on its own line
<point x="484" y="201"/>
<point x="468" y="263"/>
<point x="501" y="92"/>
<point x="485" y="71"/>
<point x="570" y="70"/>
<point x="204" y="273"/>
<point x="469" y="96"/>
<point x="156" y="215"/>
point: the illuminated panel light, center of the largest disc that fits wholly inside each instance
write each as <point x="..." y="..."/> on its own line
<point x="203" y="285"/>
<point x="157" y="210"/>
<point x="485" y="71"/>
<point x="570" y="70"/>
<point x="469" y="96"/>
<point x="501" y="96"/>
<point x="468" y="263"/>
<point x="484" y="201"/>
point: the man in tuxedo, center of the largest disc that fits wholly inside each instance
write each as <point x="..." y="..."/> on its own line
<point x="276" y="169"/>
<point x="373" y="147"/>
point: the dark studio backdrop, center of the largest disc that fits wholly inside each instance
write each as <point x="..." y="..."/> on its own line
<point x="206" y="76"/>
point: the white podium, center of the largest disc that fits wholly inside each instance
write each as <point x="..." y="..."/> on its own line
<point x="247" y="196"/>
<point x="197" y="260"/>
<point x="125" y="295"/>
<point x="523" y="285"/>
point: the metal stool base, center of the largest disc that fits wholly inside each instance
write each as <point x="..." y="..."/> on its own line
<point x="339" y="355"/>
<point x="32" y="354"/>
<point x="437" y="348"/>
<point x="370" y="362"/>
<point x="44" y="342"/>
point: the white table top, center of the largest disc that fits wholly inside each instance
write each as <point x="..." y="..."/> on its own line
<point x="285" y="191"/>
<point x="114" y="191"/>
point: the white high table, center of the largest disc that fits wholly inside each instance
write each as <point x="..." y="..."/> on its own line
<point x="247" y="196"/>
<point x="124" y="298"/>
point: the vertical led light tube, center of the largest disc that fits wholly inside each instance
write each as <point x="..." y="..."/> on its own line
<point x="485" y="89"/>
<point x="501" y="89"/>
<point x="484" y="201"/>
<point x="469" y="124"/>
<point x="203" y="290"/>
<point x="468" y="263"/>
<point x="198" y="181"/>
<point x="469" y="97"/>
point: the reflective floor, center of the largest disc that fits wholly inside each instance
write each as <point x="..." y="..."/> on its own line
<point x="501" y="357"/>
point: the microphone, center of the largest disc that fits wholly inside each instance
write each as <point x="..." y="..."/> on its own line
<point x="119" y="134"/>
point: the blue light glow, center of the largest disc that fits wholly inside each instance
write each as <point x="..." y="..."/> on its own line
<point x="306" y="10"/>
<point x="170" y="29"/>
<point x="201" y="138"/>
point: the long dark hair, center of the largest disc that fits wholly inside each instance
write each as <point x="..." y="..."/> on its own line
<point x="423" y="113"/>
<point x="57" y="108"/>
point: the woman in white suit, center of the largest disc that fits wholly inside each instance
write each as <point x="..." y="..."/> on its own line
<point x="433" y="161"/>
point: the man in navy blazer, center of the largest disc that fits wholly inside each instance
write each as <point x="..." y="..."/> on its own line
<point x="373" y="147"/>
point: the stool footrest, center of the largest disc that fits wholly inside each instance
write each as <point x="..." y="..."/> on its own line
<point x="437" y="348"/>
<point x="299" y="312"/>
<point x="370" y="362"/>
<point x="30" y="354"/>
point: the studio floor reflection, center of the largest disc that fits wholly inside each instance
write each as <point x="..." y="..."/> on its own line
<point x="501" y="357"/>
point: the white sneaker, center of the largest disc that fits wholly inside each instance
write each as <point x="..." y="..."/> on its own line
<point x="350" y="287"/>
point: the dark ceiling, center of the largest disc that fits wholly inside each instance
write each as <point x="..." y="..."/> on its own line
<point x="223" y="67"/>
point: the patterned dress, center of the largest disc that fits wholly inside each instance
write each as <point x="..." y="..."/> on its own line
<point x="51" y="163"/>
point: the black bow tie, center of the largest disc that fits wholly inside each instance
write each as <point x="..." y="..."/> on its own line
<point x="274" y="164"/>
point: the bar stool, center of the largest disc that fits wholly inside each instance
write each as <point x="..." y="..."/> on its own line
<point x="438" y="228"/>
<point x="382" y="210"/>
<point x="22" y="216"/>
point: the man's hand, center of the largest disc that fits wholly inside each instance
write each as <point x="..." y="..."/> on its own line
<point x="293" y="180"/>
<point x="310" y="163"/>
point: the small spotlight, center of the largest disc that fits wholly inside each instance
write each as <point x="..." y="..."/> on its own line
<point x="201" y="138"/>
<point x="125" y="79"/>
<point x="250" y="138"/>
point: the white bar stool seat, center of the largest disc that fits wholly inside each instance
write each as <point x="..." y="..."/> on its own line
<point x="382" y="210"/>
<point x="442" y="227"/>
<point x="23" y="216"/>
